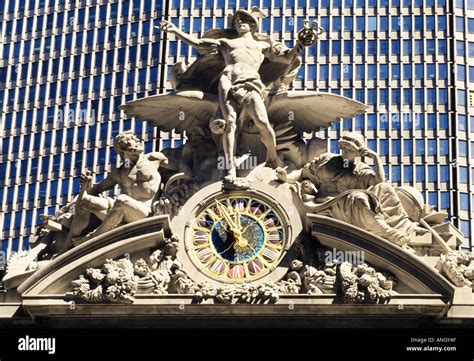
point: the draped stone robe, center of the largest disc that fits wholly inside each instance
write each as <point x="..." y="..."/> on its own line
<point x="345" y="193"/>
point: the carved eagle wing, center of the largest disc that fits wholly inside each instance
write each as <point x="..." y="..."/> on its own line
<point x="180" y="111"/>
<point x="310" y="111"/>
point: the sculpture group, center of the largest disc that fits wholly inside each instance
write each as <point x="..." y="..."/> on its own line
<point x="233" y="102"/>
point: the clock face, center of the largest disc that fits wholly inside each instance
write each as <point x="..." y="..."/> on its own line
<point x="237" y="239"/>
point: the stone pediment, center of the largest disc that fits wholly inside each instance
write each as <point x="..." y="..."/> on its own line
<point x="415" y="274"/>
<point x="126" y="241"/>
<point x="420" y="291"/>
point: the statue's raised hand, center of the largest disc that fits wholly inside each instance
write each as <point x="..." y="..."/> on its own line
<point x="168" y="26"/>
<point x="366" y="152"/>
<point x="86" y="180"/>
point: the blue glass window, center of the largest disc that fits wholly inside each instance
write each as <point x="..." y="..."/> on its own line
<point x="461" y="97"/>
<point x="336" y="23"/>
<point x="430" y="71"/>
<point x="371" y="121"/>
<point x="464" y="201"/>
<point x="459" y="24"/>
<point x="418" y="47"/>
<point x="323" y="72"/>
<point x="348" y="25"/>
<point x="430" y="47"/>
<point x="395" y="23"/>
<point x="442" y="71"/>
<point x="442" y="47"/>
<point x="324" y="47"/>
<point x="395" y="71"/>
<point x="371" y="71"/>
<point x="430" y="23"/>
<point x="407" y="23"/>
<point x="371" y="96"/>
<point x="460" y="49"/>
<point x="371" y="23"/>
<point x="445" y="200"/>
<point x="395" y="47"/>
<point x="431" y="96"/>
<point x="431" y="121"/>
<point x="348" y="47"/>
<point x="419" y="23"/>
<point x="419" y="96"/>
<point x="462" y="148"/>
<point x="406" y="47"/>
<point x="360" y="49"/>
<point x="441" y="22"/>
<point x="372" y="47"/>
<point x="360" y="72"/>
<point x="463" y="174"/>
<point x="383" y="71"/>
<point x="471" y="49"/>
<point x="407" y="96"/>
<point x="396" y="96"/>
<point x="347" y="69"/>
<point x="335" y="72"/>
<point x="420" y="173"/>
<point x="419" y="71"/>
<point x="443" y="147"/>
<point x="396" y="176"/>
<point x="461" y="72"/>
<point x="470" y="26"/>
<point x="396" y="147"/>
<point x="408" y="173"/>
<point x="431" y="146"/>
<point x="407" y="74"/>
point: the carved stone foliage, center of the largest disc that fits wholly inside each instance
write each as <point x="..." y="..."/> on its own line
<point x="351" y="283"/>
<point x="240" y="293"/>
<point x="362" y="284"/>
<point x="114" y="282"/>
<point x="118" y="281"/>
<point x="458" y="267"/>
<point x="156" y="274"/>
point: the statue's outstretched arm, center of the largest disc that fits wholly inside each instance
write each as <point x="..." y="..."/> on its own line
<point x="291" y="177"/>
<point x="202" y="45"/>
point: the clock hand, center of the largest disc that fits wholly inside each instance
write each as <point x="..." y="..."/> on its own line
<point x="237" y="219"/>
<point x="226" y="215"/>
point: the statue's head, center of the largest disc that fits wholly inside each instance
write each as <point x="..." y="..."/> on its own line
<point x="351" y="145"/>
<point x="245" y="21"/>
<point x="127" y="142"/>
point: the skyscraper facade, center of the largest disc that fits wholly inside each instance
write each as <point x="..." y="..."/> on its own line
<point x="67" y="66"/>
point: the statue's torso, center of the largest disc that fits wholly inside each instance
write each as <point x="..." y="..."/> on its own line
<point x="332" y="177"/>
<point x="140" y="180"/>
<point x="244" y="53"/>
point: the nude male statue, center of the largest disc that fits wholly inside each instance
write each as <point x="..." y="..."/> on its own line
<point x="139" y="180"/>
<point x="240" y="86"/>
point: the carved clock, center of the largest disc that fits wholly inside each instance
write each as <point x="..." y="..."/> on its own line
<point x="239" y="236"/>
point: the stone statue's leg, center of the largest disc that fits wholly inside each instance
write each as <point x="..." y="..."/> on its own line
<point x="89" y="204"/>
<point x="125" y="209"/>
<point x="355" y="209"/>
<point x="228" y="108"/>
<point x="258" y="112"/>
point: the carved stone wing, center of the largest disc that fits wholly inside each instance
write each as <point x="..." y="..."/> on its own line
<point x="179" y="111"/>
<point x="310" y="111"/>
